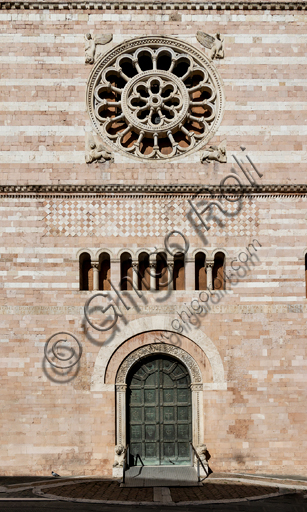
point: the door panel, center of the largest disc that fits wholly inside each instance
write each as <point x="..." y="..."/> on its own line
<point x="159" y="421"/>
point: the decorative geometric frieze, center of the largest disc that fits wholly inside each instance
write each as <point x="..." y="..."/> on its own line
<point x="155" y="98"/>
<point x="167" y="6"/>
<point x="144" y="217"/>
<point x="244" y="190"/>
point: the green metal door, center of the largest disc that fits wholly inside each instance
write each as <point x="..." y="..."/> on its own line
<point x="159" y="412"/>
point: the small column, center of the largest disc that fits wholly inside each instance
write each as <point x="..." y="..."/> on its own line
<point x="135" y="277"/>
<point x="171" y="276"/>
<point x="189" y="274"/>
<point x="209" y="267"/>
<point x="153" y="273"/>
<point x="95" y="267"/>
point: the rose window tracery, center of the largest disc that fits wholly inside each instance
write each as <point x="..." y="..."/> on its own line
<point x="155" y="98"/>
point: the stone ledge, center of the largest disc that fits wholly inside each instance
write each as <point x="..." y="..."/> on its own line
<point x="165" y="6"/>
<point x="130" y="190"/>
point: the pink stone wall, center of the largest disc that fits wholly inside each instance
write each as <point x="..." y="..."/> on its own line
<point x="43" y="83"/>
<point x="50" y="421"/>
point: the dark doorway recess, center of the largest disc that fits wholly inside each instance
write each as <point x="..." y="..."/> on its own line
<point x="159" y="422"/>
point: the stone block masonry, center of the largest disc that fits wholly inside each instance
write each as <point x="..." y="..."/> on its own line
<point x="251" y="411"/>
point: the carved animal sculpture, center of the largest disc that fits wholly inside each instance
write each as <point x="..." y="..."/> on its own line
<point x="119" y="456"/>
<point x="203" y="453"/>
<point x="94" y="149"/>
<point x="90" y="45"/>
<point x="217" y="153"/>
<point x="214" y="43"/>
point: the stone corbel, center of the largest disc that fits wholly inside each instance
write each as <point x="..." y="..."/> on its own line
<point x="94" y="149"/>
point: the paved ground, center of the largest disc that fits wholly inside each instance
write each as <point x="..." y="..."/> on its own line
<point x="30" y="494"/>
<point x="112" y="491"/>
<point x="289" y="503"/>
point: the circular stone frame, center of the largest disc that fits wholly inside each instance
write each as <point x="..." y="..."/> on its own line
<point x="145" y="76"/>
<point x="180" y="50"/>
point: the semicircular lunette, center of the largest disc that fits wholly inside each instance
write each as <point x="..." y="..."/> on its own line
<point x="155" y="101"/>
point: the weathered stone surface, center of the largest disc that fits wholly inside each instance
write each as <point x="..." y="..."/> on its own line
<point x="250" y="342"/>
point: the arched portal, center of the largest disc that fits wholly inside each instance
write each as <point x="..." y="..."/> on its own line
<point x="185" y="364"/>
<point x="159" y="411"/>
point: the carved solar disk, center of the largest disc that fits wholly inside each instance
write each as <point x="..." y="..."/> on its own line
<point x="155" y="98"/>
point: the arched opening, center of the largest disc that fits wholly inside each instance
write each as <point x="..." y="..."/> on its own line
<point x="144" y="272"/>
<point x="161" y="271"/>
<point x="218" y="271"/>
<point x="85" y="272"/>
<point x="126" y="271"/>
<point x="104" y="271"/>
<point x="159" y="411"/>
<point x="200" y="271"/>
<point x="179" y="277"/>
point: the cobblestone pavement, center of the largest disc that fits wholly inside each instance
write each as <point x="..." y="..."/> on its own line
<point x="212" y="491"/>
<point x="102" y="491"/>
<point x="112" y="491"/>
<point x="218" y="488"/>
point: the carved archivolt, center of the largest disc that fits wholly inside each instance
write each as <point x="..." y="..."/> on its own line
<point x="155" y="98"/>
<point x="158" y="348"/>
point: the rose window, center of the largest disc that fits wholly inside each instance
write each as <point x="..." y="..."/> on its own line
<point x="155" y="98"/>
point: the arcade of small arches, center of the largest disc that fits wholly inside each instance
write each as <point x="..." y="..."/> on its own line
<point x="152" y="272"/>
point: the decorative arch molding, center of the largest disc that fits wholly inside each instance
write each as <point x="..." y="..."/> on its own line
<point x="158" y="348"/>
<point x="141" y="250"/>
<point x="196" y="251"/>
<point x="156" y="323"/>
<point x="101" y="251"/>
<point x="127" y="250"/>
<point x="196" y="388"/>
<point x="81" y="251"/>
<point x="221" y="249"/>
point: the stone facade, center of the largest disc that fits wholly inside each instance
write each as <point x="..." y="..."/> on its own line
<point x="250" y="342"/>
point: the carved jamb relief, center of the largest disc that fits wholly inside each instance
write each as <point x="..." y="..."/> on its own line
<point x="155" y="98"/>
